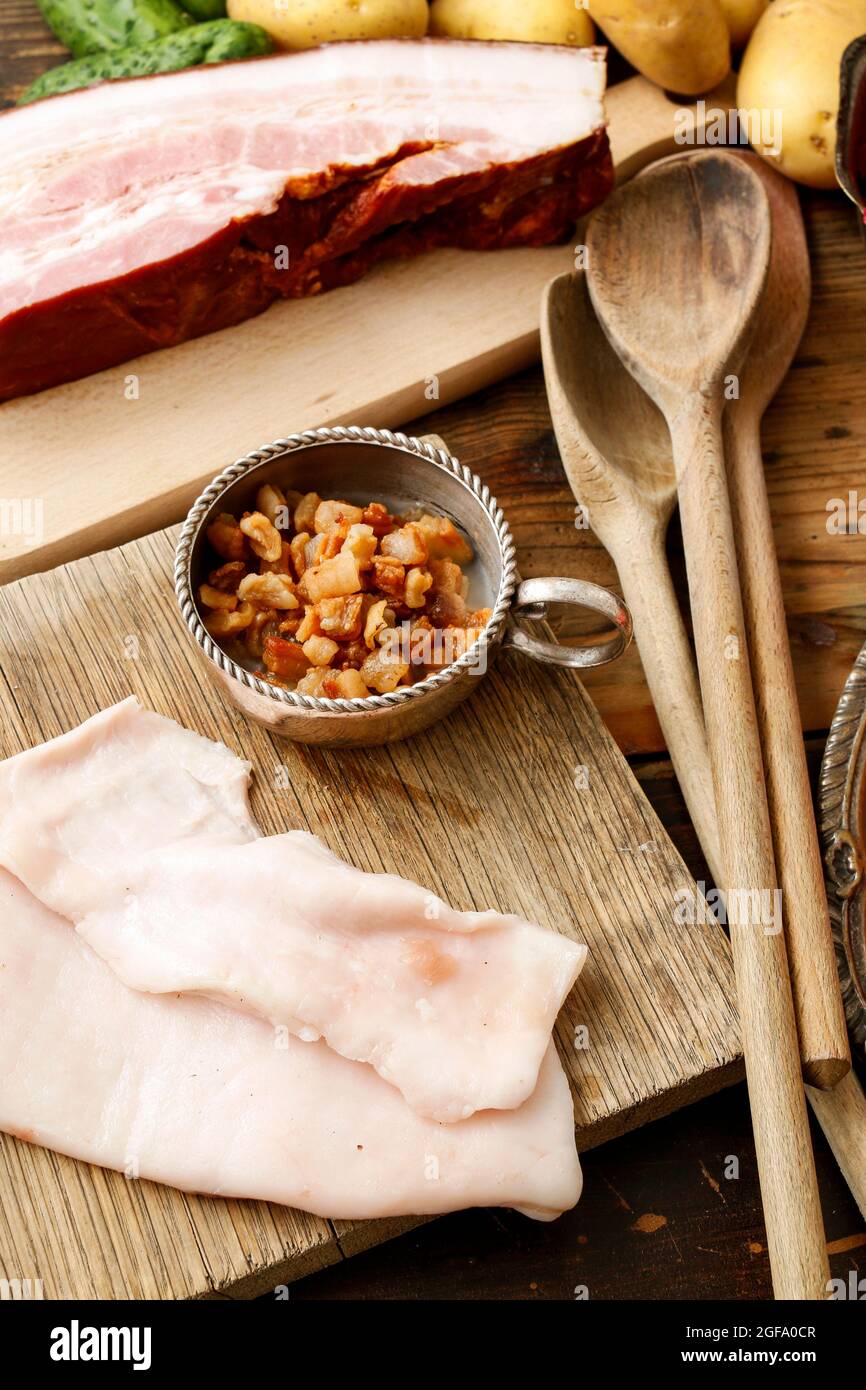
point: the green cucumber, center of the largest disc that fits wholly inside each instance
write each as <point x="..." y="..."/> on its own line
<point x="221" y="41"/>
<point x="204" y="9"/>
<point x="100" y="26"/>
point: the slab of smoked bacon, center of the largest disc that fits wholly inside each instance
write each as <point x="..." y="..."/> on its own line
<point x="137" y="214"/>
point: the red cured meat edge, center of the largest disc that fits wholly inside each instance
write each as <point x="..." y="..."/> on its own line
<point x="332" y="239"/>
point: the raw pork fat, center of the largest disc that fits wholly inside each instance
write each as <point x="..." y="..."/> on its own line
<point x="187" y="1092"/>
<point x="139" y="832"/>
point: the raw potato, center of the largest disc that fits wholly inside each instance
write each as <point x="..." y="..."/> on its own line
<point x="307" y="23"/>
<point x="789" y="83"/>
<point x="543" y="21"/>
<point x="741" y="16"/>
<point x="683" y="45"/>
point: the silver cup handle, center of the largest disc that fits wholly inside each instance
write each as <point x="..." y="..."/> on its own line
<point x="531" y="600"/>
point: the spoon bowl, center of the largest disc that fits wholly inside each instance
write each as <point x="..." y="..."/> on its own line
<point x="618" y="447"/>
<point x="683" y="323"/>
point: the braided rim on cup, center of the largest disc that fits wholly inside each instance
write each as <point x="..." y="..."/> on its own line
<point x="346" y="434"/>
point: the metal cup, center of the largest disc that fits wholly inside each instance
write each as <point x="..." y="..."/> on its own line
<point x="360" y="465"/>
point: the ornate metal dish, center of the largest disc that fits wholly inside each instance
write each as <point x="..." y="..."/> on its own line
<point x="843" y="829"/>
<point x="360" y="463"/>
<point x="851" y="126"/>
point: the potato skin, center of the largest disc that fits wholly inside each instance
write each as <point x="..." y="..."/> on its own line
<point x="791" y="67"/>
<point x="683" y="45"/>
<point x="541" y="21"/>
<point x="741" y="16"/>
<point x="307" y="23"/>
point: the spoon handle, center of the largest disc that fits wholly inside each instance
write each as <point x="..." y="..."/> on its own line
<point x="842" y="1116"/>
<point x="668" y="664"/>
<point x="669" y="668"/>
<point x="824" y="1048"/>
<point x="789" y="1189"/>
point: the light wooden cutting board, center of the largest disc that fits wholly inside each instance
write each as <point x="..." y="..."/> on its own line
<point x="520" y="801"/>
<point x="127" y="450"/>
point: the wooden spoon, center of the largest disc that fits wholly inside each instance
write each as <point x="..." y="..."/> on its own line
<point x="779" y="326"/>
<point x="616" y="450"/>
<point x="677" y="263"/>
<point x="824" y="1049"/>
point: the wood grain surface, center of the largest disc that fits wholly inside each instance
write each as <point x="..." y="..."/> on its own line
<point x="706" y="1237"/>
<point x="520" y="801"/>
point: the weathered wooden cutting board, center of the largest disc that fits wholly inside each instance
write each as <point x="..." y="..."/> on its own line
<point x="134" y="445"/>
<point x="519" y="801"/>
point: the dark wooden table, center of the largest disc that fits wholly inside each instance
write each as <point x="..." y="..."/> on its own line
<point x="659" y="1218"/>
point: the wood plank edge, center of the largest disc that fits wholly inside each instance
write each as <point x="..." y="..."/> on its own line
<point x="268" y="1277"/>
<point x="656" y="1107"/>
